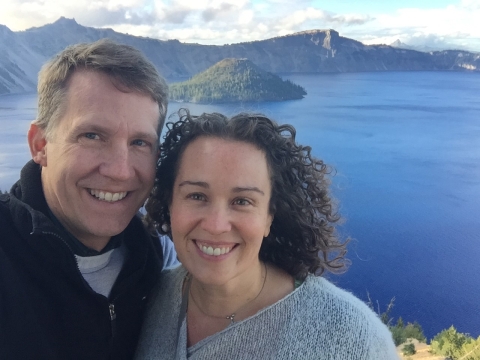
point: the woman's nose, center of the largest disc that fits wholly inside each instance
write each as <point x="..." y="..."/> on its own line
<point x="216" y="220"/>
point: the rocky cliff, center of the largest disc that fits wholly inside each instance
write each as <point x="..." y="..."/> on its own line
<point x="22" y="53"/>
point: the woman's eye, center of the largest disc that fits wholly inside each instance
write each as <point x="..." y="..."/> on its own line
<point x="241" y="202"/>
<point x="198" y="197"/>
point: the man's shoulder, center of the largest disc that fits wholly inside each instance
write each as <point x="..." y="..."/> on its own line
<point x="4" y="207"/>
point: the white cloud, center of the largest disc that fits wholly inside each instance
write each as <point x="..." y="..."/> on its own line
<point x="227" y="21"/>
<point x="246" y="17"/>
<point x="441" y="27"/>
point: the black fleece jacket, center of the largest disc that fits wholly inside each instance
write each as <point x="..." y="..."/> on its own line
<point x="47" y="310"/>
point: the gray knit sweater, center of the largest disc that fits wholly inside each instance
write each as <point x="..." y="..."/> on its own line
<point x="316" y="321"/>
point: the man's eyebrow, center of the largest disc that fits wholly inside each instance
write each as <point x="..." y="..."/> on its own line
<point x="146" y="135"/>
<point x="91" y="127"/>
<point x="252" y="188"/>
<point x="194" y="183"/>
<point x="96" y="128"/>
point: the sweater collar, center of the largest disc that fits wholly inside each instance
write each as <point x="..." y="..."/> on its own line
<point x="29" y="188"/>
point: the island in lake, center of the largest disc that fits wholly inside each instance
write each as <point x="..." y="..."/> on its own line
<point x="235" y="80"/>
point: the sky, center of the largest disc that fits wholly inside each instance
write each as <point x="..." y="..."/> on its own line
<point x="434" y="24"/>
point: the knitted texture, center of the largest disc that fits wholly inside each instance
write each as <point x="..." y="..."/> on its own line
<point x="316" y="321"/>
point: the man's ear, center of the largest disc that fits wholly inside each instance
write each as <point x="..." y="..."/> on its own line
<point x="37" y="143"/>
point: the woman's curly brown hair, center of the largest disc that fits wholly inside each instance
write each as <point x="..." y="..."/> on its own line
<point x="302" y="237"/>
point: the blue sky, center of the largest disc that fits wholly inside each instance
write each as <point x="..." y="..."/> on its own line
<point x="435" y="24"/>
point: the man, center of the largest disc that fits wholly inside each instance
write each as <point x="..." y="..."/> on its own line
<point x="76" y="264"/>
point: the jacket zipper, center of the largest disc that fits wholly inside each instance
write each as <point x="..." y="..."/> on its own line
<point x="111" y="306"/>
<point x="113" y="316"/>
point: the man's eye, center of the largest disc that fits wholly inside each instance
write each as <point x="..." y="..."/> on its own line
<point x="92" y="136"/>
<point x="139" y="142"/>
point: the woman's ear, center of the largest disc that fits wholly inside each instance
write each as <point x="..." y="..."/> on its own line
<point x="37" y="143"/>
<point x="268" y="225"/>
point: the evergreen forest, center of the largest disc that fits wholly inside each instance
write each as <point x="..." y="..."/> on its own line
<point x="235" y="80"/>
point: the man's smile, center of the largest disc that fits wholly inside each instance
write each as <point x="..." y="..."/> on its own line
<point x="108" y="196"/>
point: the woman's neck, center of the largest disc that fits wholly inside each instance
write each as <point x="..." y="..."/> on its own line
<point x="209" y="306"/>
<point x="233" y="297"/>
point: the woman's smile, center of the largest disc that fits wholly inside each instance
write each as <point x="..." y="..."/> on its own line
<point x="213" y="249"/>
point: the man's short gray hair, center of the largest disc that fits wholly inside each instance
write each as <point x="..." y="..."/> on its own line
<point x="128" y="68"/>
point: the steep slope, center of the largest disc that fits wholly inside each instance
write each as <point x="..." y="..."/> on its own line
<point x="233" y="80"/>
<point x="18" y="63"/>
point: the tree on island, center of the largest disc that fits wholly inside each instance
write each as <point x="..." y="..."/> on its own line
<point x="235" y="80"/>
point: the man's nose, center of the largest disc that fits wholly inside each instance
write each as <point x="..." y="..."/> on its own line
<point x="117" y="163"/>
<point x="216" y="220"/>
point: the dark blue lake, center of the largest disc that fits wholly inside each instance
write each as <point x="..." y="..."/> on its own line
<point x="406" y="149"/>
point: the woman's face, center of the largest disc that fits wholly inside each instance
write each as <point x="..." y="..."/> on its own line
<point x="220" y="209"/>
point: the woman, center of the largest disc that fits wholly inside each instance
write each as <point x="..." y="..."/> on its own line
<point x="252" y="222"/>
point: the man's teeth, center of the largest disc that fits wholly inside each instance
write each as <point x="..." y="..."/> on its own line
<point x="214" y="251"/>
<point x="108" y="196"/>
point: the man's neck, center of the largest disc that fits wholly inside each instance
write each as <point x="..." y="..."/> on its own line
<point x="86" y="248"/>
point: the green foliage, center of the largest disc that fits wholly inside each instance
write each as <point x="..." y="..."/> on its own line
<point x="400" y="331"/>
<point x="398" y="335"/>
<point x="455" y="345"/>
<point x="233" y="80"/>
<point x="449" y="343"/>
<point x="409" y="349"/>
<point x="384" y="316"/>
<point x="414" y="331"/>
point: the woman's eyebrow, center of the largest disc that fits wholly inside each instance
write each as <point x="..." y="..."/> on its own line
<point x="252" y="188"/>
<point x="205" y="185"/>
<point x="194" y="183"/>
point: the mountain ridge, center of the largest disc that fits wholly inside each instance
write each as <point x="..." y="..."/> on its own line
<point x="313" y="51"/>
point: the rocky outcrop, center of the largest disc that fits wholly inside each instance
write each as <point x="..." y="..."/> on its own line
<point x="22" y="53"/>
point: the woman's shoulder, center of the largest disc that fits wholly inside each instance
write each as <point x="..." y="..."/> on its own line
<point x="172" y="275"/>
<point x="329" y="294"/>
<point x="168" y="287"/>
<point x="171" y="278"/>
<point x="341" y="312"/>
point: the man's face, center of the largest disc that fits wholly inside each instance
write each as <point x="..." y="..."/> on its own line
<point x="98" y="167"/>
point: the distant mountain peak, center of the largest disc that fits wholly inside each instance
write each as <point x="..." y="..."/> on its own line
<point x="317" y="31"/>
<point x="66" y="21"/>
<point x="4" y="30"/>
<point x="398" y="44"/>
<point x="235" y="62"/>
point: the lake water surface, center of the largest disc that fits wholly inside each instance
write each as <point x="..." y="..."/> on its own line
<point x="406" y="149"/>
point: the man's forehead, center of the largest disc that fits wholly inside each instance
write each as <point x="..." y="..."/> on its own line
<point x="93" y="93"/>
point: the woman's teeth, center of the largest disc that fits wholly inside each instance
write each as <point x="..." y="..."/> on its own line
<point x="209" y="250"/>
<point x="108" y="196"/>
